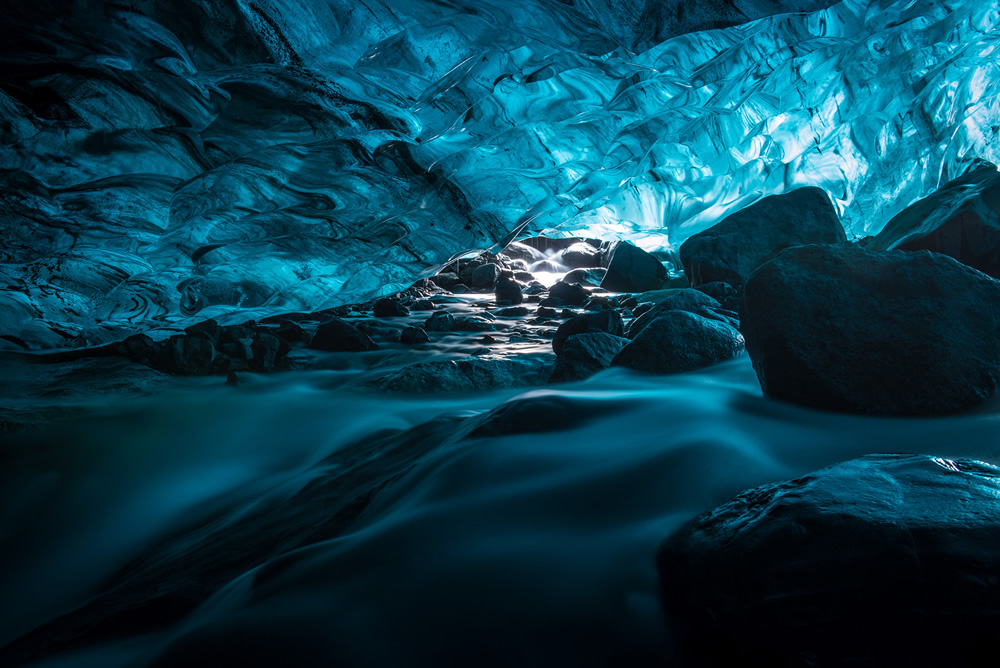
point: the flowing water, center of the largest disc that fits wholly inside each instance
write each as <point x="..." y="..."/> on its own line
<point x="507" y="538"/>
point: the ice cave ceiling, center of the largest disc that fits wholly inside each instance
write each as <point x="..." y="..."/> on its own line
<point x="165" y="162"/>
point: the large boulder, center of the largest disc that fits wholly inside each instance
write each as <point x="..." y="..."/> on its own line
<point x="679" y="341"/>
<point x="883" y="560"/>
<point x="631" y="269"/>
<point x="886" y="333"/>
<point x="741" y="242"/>
<point x="961" y="219"/>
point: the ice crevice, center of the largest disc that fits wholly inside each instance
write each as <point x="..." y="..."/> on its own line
<point x="164" y="163"/>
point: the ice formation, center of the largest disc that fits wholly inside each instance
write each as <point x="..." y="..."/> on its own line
<point x="168" y="162"/>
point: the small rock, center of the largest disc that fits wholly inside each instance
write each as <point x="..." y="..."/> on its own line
<point x="513" y="312"/>
<point x="335" y="335"/>
<point x="423" y="305"/>
<point x="413" y="336"/>
<point x="485" y="277"/>
<point x="880" y="332"/>
<point x="688" y="300"/>
<point x="474" y="323"/>
<point x="508" y="290"/>
<point x="571" y="294"/>
<point x="389" y="308"/>
<point x="447" y="280"/>
<point x="591" y="277"/>
<point x="440" y="322"/>
<point x="679" y="341"/>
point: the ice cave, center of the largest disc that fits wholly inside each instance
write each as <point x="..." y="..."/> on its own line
<point x="499" y="333"/>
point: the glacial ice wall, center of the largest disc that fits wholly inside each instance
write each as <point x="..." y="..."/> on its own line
<point x="166" y="162"/>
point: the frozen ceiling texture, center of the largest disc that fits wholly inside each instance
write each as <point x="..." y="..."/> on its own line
<point x="166" y="162"/>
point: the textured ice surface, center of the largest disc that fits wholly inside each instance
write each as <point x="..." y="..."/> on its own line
<point x="165" y="162"/>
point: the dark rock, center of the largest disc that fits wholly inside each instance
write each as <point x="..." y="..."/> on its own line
<point x="460" y="289"/>
<point x="336" y="336"/>
<point x="513" y="312"/>
<point x="508" y="290"/>
<point x="413" y="336"/>
<point x="207" y="329"/>
<point x="189" y="356"/>
<point x="608" y="322"/>
<point x="468" y="375"/>
<point x="718" y="290"/>
<point x="232" y="379"/>
<point x="517" y="266"/>
<point x="733" y="248"/>
<point x="524" y="276"/>
<point x="474" y="323"/>
<point x="266" y="350"/>
<point x="519" y="251"/>
<point x="867" y="563"/>
<point x="546" y="312"/>
<point x="631" y="269"/>
<point x="886" y="333"/>
<point x="591" y="277"/>
<point x="485" y="277"/>
<point x="679" y="341"/>
<point x="961" y="219"/>
<point x="581" y="255"/>
<point x="688" y="300"/>
<point x="545" y="413"/>
<point x="642" y="308"/>
<point x="583" y="355"/>
<point x="440" y="322"/>
<point x="389" y="308"/>
<point x="571" y="294"/>
<point x="291" y="332"/>
<point x="423" y="305"/>
<point x="447" y="280"/>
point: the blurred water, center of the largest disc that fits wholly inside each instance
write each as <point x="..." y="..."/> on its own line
<point x="530" y="543"/>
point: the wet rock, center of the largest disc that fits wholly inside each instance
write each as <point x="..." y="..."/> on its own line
<point x="440" y="322"/>
<point x="961" y="219"/>
<point x="513" y="312"/>
<point x="743" y="241"/>
<point x="519" y="251"/>
<point x="524" y="276"/>
<point x="546" y="312"/>
<point x="679" y="341"/>
<point x="447" y="280"/>
<point x="389" y="308"/>
<point x="189" y="356"/>
<point x="723" y="293"/>
<point x="591" y="277"/>
<point x="474" y="323"/>
<point x="583" y="355"/>
<point x="688" y="300"/>
<point x="335" y="335"/>
<point x="886" y="333"/>
<point x="266" y="351"/>
<point x="631" y="269"/>
<point x="460" y="289"/>
<point x="508" y="291"/>
<point x="423" y="305"/>
<point x="485" y="277"/>
<point x="886" y="560"/>
<point x="608" y="322"/>
<point x="413" y="335"/>
<point x="581" y="255"/>
<point x="467" y="375"/>
<point x="571" y="294"/>
<point x="232" y="379"/>
<point x="291" y="332"/>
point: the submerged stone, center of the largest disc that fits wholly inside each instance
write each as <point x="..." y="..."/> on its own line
<point x="887" y="333"/>
<point x="883" y="560"/>
<point x="740" y="243"/>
